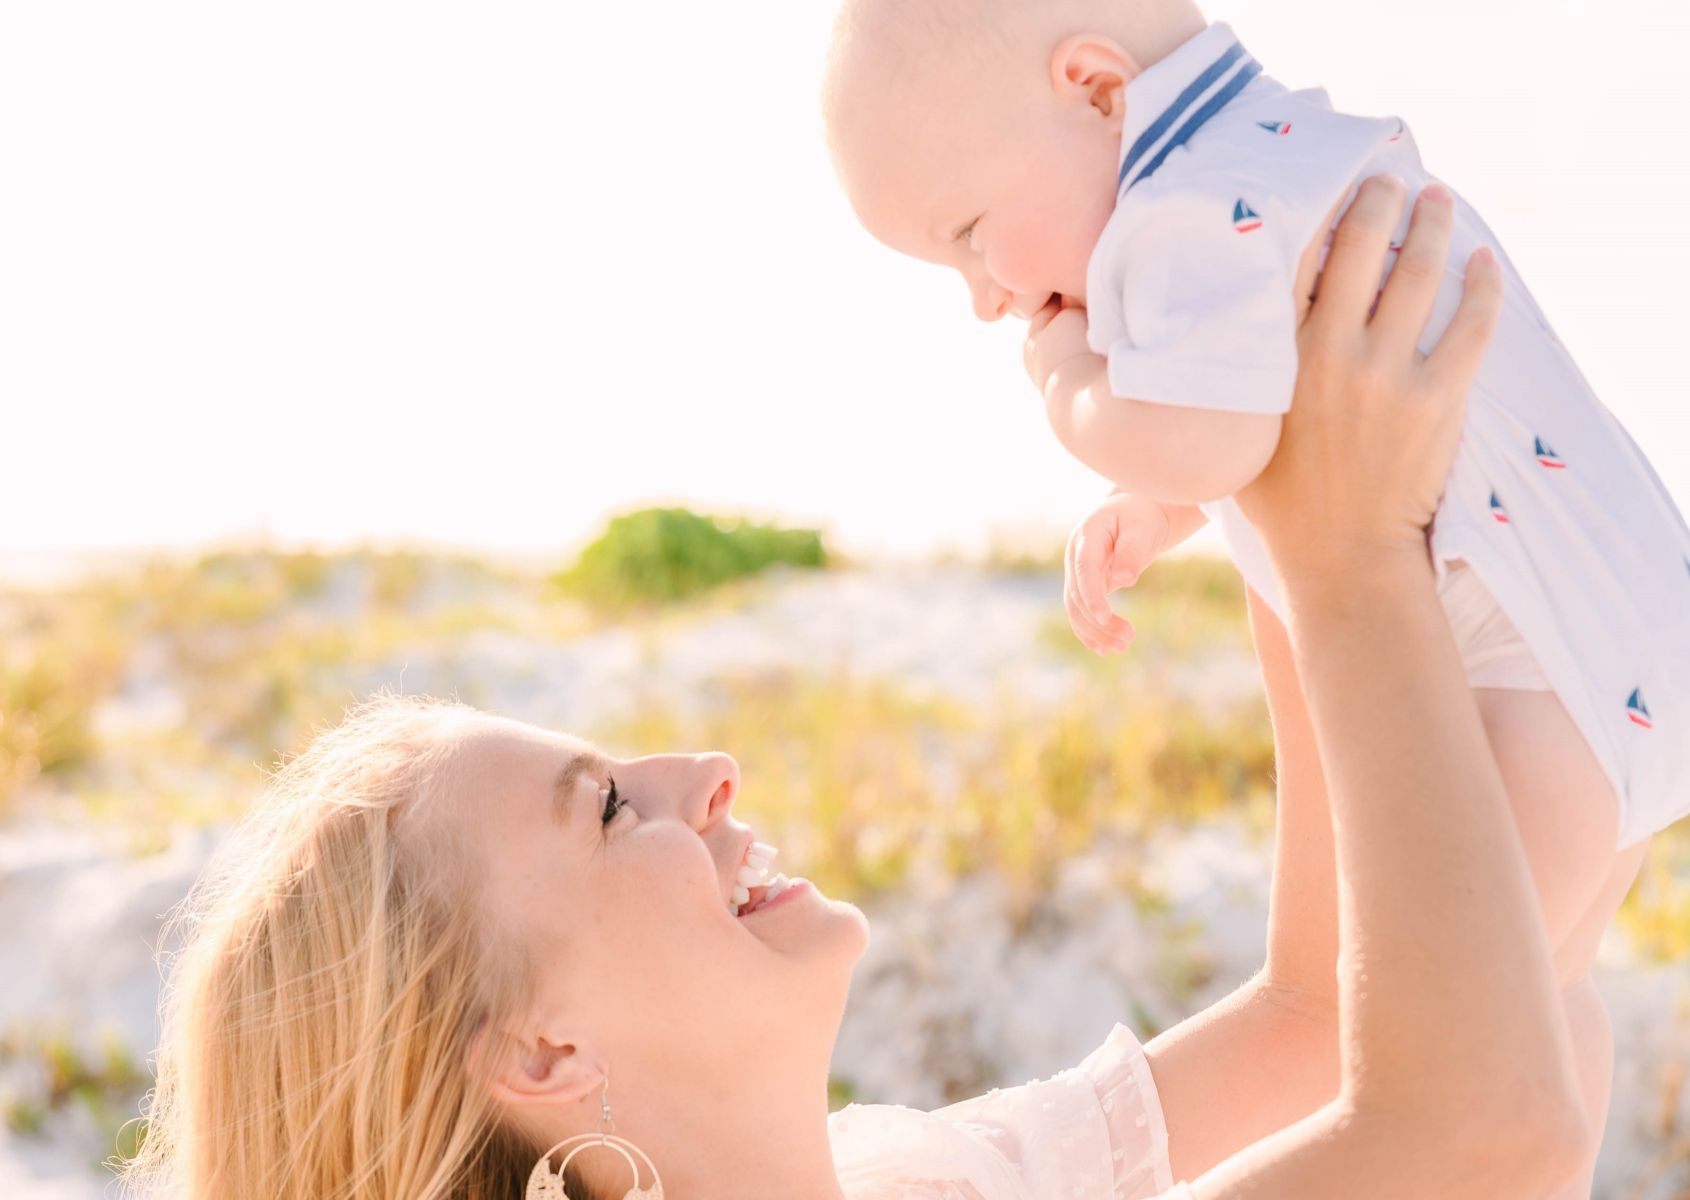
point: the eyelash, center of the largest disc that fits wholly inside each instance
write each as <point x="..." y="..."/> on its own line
<point x="613" y="804"/>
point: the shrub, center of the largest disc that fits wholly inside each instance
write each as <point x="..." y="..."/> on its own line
<point x="51" y="678"/>
<point x="666" y="554"/>
<point x="58" y="1075"/>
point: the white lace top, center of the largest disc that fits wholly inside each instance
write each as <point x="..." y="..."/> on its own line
<point x="1092" y="1132"/>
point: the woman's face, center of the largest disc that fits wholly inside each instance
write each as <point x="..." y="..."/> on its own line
<point x="640" y="963"/>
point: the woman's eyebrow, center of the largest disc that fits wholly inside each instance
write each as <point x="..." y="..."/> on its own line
<point x="563" y="790"/>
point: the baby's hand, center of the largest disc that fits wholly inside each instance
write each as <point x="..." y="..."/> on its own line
<point x="1055" y="335"/>
<point x="1107" y="551"/>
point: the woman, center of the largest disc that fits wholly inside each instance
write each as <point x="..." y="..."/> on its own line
<point x="418" y="963"/>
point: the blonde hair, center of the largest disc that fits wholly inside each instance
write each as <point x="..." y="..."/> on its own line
<point x="322" y="1018"/>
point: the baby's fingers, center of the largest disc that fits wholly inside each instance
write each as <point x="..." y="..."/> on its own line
<point x="1091" y="570"/>
<point x="1037" y="322"/>
<point x="1088" y="634"/>
<point x="1105" y="639"/>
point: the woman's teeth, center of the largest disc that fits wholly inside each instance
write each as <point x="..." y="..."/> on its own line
<point x="756" y="873"/>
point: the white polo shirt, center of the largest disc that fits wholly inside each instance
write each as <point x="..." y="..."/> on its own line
<point x="1225" y="179"/>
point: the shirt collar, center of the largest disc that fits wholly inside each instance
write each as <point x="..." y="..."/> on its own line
<point x="1167" y="103"/>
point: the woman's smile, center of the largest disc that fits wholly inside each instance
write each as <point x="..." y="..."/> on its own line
<point x="756" y="879"/>
<point x="781" y="898"/>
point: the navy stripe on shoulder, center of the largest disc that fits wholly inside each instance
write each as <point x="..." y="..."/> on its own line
<point x="1176" y="110"/>
<point x="1216" y="102"/>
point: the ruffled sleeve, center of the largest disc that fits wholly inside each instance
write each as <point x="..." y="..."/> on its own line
<point x="1093" y="1132"/>
<point x="1138" y="1136"/>
<point x="889" y="1152"/>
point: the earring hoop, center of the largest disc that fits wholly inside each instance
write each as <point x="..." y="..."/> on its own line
<point x="543" y="1184"/>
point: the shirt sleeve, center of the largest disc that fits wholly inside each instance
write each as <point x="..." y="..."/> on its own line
<point x="1206" y="264"/>
<point x="1132" y="1111"/>
<point x="1210" y="321"/>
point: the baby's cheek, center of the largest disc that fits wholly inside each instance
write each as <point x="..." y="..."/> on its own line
<point x="1022" y="258"/>
<point x="1045" y="256"/>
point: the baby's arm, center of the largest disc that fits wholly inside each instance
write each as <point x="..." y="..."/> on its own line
<point x="1178" y="455"/>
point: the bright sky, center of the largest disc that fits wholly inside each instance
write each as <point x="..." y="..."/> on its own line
<point x="480" y="274"/>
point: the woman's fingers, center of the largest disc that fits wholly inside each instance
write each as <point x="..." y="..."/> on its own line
<point x="1412" y="290"/>
<point x="1350" y="279"/>
<point x="1454" y="361"/>
<point x="1366" y="449"/>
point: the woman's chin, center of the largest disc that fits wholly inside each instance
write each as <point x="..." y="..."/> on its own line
<point x="854" y="927"/>
<point x="804" y="921"/>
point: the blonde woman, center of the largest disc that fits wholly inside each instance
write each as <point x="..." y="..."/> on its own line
<point x="445" y="942"/>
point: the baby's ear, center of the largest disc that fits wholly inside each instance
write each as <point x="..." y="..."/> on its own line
<point x="1088" y="68"/>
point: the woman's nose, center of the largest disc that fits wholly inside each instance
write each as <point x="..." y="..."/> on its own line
<point x="717" y="783"/>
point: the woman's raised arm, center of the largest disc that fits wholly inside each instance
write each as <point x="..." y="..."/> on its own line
<point x="1457" y="1074"/>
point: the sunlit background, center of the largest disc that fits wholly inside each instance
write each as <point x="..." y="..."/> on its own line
<point x="330" y="274"/>
<point x="333" y="337"/>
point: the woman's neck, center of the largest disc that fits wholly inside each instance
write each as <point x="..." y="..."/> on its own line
<point x="758" y="1135"/>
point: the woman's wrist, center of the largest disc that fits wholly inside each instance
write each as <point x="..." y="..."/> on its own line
<point x="1357" y="585"/>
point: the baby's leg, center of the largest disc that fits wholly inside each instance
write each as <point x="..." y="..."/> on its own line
<point x="1593" y="1053"/>
<point x="1587" y="1016"/>
<point x="1565" y="808"/>
<point x="1568" y="817"/>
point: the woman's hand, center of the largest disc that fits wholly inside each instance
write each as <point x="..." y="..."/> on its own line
<point x="1374" y="424"/>
<point x="1457" y="1071"/>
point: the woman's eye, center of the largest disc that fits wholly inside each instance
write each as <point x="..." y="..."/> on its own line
<point x="612" y="803"/>
<point x="967" y="235"/>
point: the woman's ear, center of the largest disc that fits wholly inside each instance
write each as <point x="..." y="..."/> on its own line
<point x="1088" y="68"/>
<point x="541" y="1071"/>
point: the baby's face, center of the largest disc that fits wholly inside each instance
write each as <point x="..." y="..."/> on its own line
<point x="1004" y="181"/>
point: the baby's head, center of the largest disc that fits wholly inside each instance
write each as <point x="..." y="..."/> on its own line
<point x="985" y="135"/>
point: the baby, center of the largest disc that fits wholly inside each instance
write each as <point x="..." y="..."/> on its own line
<point x="1123" y="175"/>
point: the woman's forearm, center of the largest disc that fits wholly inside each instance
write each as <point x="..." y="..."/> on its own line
<point x="1456" y="1073"/>
<point x="1447" y="991"/>
<point x="1267" y="1056"/>
<point x="1456" y="1070"/>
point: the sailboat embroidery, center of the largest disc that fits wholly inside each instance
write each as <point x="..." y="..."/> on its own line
<point x="1639" y="711"/>
<point x="1548" y="457"/>
<point x="1280" y="127"/>
<point x="1497" y="511"/>
<point x="1245" y="219"/>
